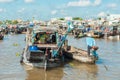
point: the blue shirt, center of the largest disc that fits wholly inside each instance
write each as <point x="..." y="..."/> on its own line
<point x="90" y="41"/>
<point x="62" y="37"/>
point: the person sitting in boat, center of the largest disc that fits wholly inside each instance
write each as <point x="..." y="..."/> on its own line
<point x="53" y="38"/>
<point x="37" y="38"/>
<point x="91" y="45"/>
<point x="88" y="28"/>
<point x="62" y="37"/>
<point x="48" y="39"/>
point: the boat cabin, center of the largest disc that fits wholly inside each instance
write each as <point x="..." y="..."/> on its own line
<point x="45" y="38"/>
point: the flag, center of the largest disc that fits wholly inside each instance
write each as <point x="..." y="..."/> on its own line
<point x="70" y="26"/>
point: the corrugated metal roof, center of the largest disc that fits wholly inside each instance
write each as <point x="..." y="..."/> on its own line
<point x="44" y="29"/>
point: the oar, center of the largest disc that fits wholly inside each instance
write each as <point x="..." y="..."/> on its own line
<point x="105" y="67"/>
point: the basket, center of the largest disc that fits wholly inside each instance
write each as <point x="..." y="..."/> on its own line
<point x="95" y="47"/>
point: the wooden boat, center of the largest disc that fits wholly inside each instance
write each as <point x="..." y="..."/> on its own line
<point x="95" y="34"/>
<point x="23" y="29"/>
<point x="80" y="35"/>
<point x="113" y="34"/>
<point x="116" y="37"/>
<point x="42" y="48"/>
<point x="80" y="55"/>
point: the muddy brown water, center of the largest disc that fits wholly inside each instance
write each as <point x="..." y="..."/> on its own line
<point x="106" y="68"/>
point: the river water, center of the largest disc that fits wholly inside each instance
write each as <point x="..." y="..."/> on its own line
<point x="106" y="68"/>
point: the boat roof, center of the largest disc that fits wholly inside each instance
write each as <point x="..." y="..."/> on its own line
<point x="44" y="29"/>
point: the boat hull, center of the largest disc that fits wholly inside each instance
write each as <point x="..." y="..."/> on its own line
<point x="1" y="37"/>
<point x="116" y="37"/>
<point x="39" y="59"/>
<point x="80" y="55"/>
<point x="95" y="35"/>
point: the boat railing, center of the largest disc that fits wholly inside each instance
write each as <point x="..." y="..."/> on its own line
<point x="46" y="45"/>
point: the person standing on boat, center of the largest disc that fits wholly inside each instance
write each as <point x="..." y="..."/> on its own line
<point x="90" y="43"/>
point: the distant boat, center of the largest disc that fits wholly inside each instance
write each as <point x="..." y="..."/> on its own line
<point x="116" y="37"/>
<point x="79" y="33"/>
<point x="95" y="34"/>
<point x="113" y="33"/>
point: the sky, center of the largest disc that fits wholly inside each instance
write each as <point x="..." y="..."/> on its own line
<point x="47" y="9"/>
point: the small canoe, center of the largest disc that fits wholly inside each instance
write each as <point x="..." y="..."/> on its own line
<point x="95" y="34"/>
<point x="80" y="55"/>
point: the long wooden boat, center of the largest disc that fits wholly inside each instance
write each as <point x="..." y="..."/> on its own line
<point x="111" y="36"/>
<point x="80" y="55"/>
<point x="80" y="35"/>
<point x="95" y="34"/>
<point x="116" y="37"/>
<point x="113" y="33"/>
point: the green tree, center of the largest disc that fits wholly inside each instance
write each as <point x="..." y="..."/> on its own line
<point x="62" y="19"/>
<point x="1" y="22"/>
<point x="8" y="22"/>
<point x="77" y="18"/>
<point x="15" y="22"/>
<point x="99" y="18"/>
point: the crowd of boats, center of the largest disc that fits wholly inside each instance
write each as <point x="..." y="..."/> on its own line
<point x="111" y="32"/>
<point x="47" y="46"/>
<point x="12" y="29"/>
